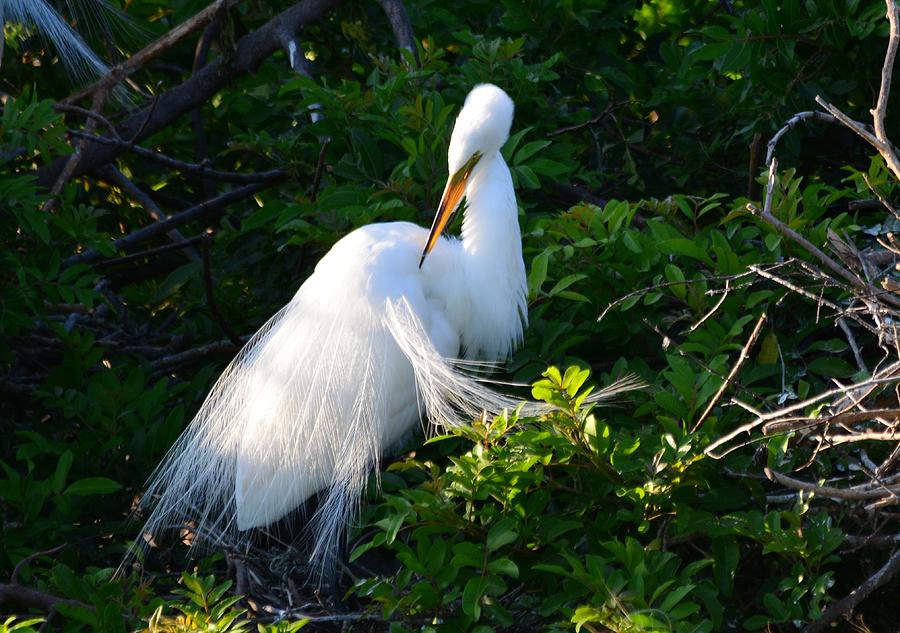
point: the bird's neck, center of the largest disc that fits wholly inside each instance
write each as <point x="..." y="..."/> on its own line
<point x="490" y="227"/>
<point x="492" y="263"/>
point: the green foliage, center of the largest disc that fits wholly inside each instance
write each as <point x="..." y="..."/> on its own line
<point x="590" y="517"/>
<point x="22" y="625"/>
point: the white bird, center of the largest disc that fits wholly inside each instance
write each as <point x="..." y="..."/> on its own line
<point x="343" y="372"/>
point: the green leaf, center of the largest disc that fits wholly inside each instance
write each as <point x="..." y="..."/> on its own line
<point x="93" y="486"/>
<point x="471" y="596"/>
<point x="501" y="533"/>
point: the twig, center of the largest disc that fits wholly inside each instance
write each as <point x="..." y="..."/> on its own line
<point x="150" y="252"/>
<point x="116" y="177"/>
<point x="766" y="272"/>
<point x="787" y="231"/>
<point x="849" y="602"/>
<point x="320" y="170"/>
<point x="851" y="340"/>
<point x="14" y="576"/>
<point x="72" y="163"/>
<point x="884" y="201"/>
<point x="887" y="69"/>
<point x="152" y="50"/>
<point x="762" y="418"/>
<point x="829" y="491"/>
<point x="714" y="309"/>
<point x="88" y="114"/>
<point x="188" y="215"/>
<point x="745" y="354"/>
<point x="201" y="169"/>
<point x="583" y="124"/>
<point x="211" y="299"/>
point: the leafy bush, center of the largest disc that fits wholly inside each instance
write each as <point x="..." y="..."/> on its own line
<point x="630" y="156"/>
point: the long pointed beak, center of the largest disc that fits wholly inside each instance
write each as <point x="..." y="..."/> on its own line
<point x="453" y="193"/>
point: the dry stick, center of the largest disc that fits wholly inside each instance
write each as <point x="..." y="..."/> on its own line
<point x="201" y="169"/>
<point x="880" y="111"/>
<point x="851" y="340"/>
<point x="880" y="436"/>
<point x="173" y="361"/>
<point x="830" y="492"/>
<point x="787" y="231"/>
<point x="211" y="299"/>
<point x="846" y="604"/>
<point x="762" y="418"/>
<point x="152" y="50"/>
<point x="685" y="282"/>
<point x="714" y="309"/>
<point x="884" y="201"/>
<point x="792" y="286"/>
<point x="745" y="354"/>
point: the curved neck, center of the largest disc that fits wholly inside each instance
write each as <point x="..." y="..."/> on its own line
<point x="490" y="227"/>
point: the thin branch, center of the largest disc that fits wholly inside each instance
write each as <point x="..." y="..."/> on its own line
<point x="249" y="52"/>
<point x="151" y="252"/>
<point x="887" y="69"/>
<point x="851" y="340"/>
<point x="201" y="169"/>
<point x="112" y="175"/>
<point x="196" y="212"/>
<point x="197" y="354"/>
<point x="848" y="603"/>
<point x="75" y="158"/>
<point x="152" y="50"/>
<point x="829" y="491"/>
<point x="211" y="299"/>
<point x="14" y="576"/>
<point x="745" y="354"/>
<point x="829" y="263"/>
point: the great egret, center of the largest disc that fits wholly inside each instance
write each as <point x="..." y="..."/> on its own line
<point x="338" y="376"/>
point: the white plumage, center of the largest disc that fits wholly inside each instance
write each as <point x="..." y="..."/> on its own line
<point x="345" y="370"/>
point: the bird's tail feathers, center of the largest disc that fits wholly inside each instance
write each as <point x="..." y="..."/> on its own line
<point x="450" y="394"/>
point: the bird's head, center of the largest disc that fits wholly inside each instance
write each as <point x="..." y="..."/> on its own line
<point x="481" y="129"/>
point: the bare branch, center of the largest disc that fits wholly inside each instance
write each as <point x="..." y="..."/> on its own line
<point x="200" y="169"/>
<point x="846" y="604"/>
<point x="250" y="51"/>
<point x="188" y="215"/>
<point x="211" y="298"/>
<point x="152" y="50"/>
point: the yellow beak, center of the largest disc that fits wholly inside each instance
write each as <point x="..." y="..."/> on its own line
<point x="453" y="193"/>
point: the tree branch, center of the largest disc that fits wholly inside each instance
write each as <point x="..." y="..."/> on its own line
<point x="188" y="215"/>
<point x="152" y="50"/>
<point x="250" y="51"/>
<point x="200" y="169"/>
